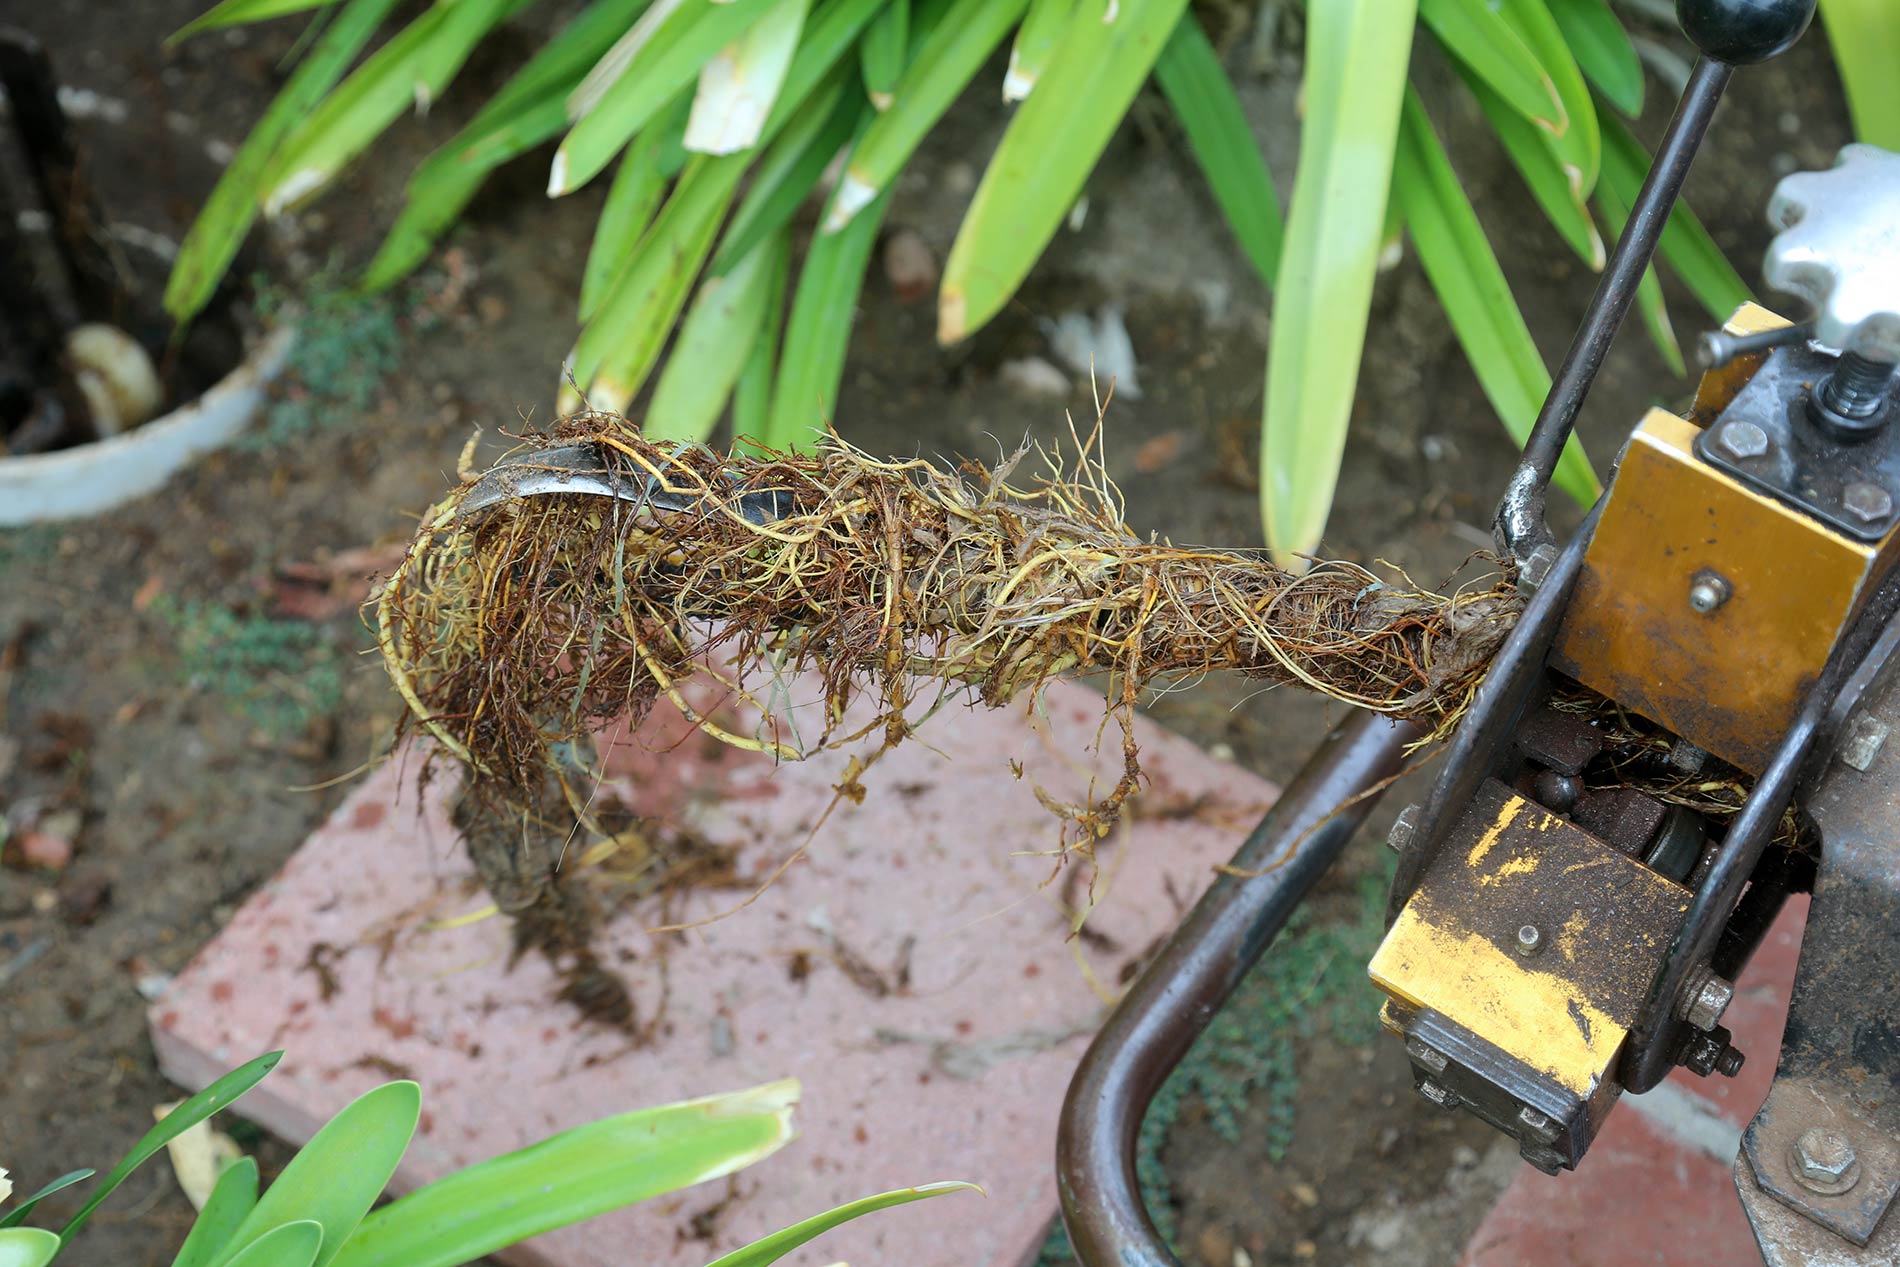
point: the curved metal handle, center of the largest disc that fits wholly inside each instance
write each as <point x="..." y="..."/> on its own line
<point x="1180" y="992"/>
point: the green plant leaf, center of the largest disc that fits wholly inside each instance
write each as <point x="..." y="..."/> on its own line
<point x="1356" y="56"/>
<point x="409" y="72"/>
<point x="187" y="1115"/>
<point x="1865" y="37"/>
<point x="1577" y="141"/>
<point x="1686" y="246"/>
<point x="740" y="84"/>
<point x="752" y="393"/>
<point x="1543" y="175"/>
<point x="295" y="1244"/>
<point x="239" y="12"/>
<point x="1649" y="292"/>
<point x="1603" y="50"/>
<point x="228" y="213"/>
<point x="791" y="168"/>
<point x="1479" y="36"/>
<point x="1036" y="42"/>
<point x="824" y="305"/>
<point x="335" y="1178"/>
<point x="713" y="344"/>
<point x="17" y="1215"/>
<point x="771" y="1248"/>
<point x="947" y="61"/>
<point x="638" y="187"/>
<point x="1048" y="151"/>
<point x="684" y="39"/>
<point x="231" y="1200"/>
<point x="573" y="1176"/>
<point x="27" y="1247"/>
<point x="883" y="51"/>
<point x="1196" y="86"/>
<point x="1464" y="271"/>
<point x="529" y="110"/>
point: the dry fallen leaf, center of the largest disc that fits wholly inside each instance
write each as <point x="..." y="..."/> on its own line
<point x="198" y="1155"/>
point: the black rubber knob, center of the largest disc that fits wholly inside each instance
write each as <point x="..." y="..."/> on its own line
<point x="1742" y="31"/>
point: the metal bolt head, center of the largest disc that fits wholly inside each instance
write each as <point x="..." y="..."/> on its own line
<point x="1687" y="758"/>
<point x="1866" y="736"/>
<point x="1869" y="503"/>
<point x="1441" y="1096"/>
<point x="1536" y="1124"/>
<point x="1427" y="1055"/>
<point x="1824" y="1161"/>
<point x="1710" y="1001"/>
<point x="1708" y="591"/>
<point x="1742" y="439"/>
<point x="1532" y="571"/>
<point x="1404" y="828"/>
<point x="1530" y="939"/>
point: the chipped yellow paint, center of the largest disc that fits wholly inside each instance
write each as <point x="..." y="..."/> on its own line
<point x="1533" y="1015"/>
<point x="1494" y="831"/>
<point x="1522" y="864"/>
<point x="1570" y="938"/>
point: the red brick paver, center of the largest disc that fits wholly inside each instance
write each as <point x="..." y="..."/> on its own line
<point x="352" y="960"/>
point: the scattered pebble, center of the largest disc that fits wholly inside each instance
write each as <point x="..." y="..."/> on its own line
<point x="1216" y="1246"/>
<point x="83" y="896"/>
<point x="1306" y="1194"/>
<point x="1033" y="376"/>
<point x="1221" y="750"/>
<point x="910" y="265"/>
<point x="45" y="850"/>
<point x="1305" y="1249"/>
<point x="491" y="308"/>
<point x="1158" y="451"/>
<point x="1098" y="347"/>
<point x="152" y="985"/>
<point x="1464" y="1157"/>
<point x="959" y="178"/>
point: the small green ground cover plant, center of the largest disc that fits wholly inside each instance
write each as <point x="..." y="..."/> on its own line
<point x="346" y="345"/>
<point x="281" y="674"/>
<point x="318" y="1213"/>
<point x="711" y="123"/>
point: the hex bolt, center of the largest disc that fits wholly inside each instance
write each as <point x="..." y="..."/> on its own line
<point x="1743" y="439"/>
<point x="1532" y="571"/>
<point x="1537" y="1125"/>
<point x="1866" y="736"/>
<point x="1441" y="1096"/>
<point x="1702" y="1006"/>
<point x="1824" y="1161"/>
<point x="1730" y="1062"/>
<point x="1708" y="590"/>
<point x="1687" y="757"/>
<point x="1530" y="939"/>
<point x="1404" y="828"/>
<point x="1869" y="503"/>
<point x="1423" y="1052"/>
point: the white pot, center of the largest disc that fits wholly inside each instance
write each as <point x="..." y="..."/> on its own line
<point x="90" y="478"/>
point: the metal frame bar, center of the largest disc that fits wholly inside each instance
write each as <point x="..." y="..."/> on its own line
<point x="1200" y="966"/>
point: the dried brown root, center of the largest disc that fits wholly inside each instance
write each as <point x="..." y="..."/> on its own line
<point x="515" y="631"/>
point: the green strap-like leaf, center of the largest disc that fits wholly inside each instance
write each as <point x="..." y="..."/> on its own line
<point x="17" y="1215"/>
<point x="752" y="394"/>
<point x="670" y="60"/>
<point x="1048" y="151"/>
<point x="1464" y="271"/>
<point x="1197" y="88"/>
<point x="412" y="70"/>
<point x="1035" y="43"/>
<point x="638" y="187"/>
<point x="1865" y="36"/>
<point x="27" y="1247"/>
<point x="771" y="1248"/>
<point x="181" y="1119"/>
<point x="1578" y="142"/>
<point x="1603" y="49"/>
<point x="713" y="344"/>
<point x="239" y="12"/>
<point x="740" y="84"/>
<point x="294" y="1244"/>
<point x="791" y="168"/>
<point x="231" y="1200"/>
<point x="228" y="213"/>
<point x="1686" y="246"/>
<point x="824" y="305"/>
<point x="573" y="1176"/>
<point x="883" y="52"/>
<point x="947" y="61"/>
<point x="1478" y="35"/>
<point x="335" y="1178"/>
<point x="1543" y="175"/>
<point x="1357" y="52"/>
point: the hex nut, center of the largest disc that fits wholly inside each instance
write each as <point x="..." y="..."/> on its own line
<point x="1823" y="1159"/>
<point x="1708" y="590"/>
<point x="1537" y="1125"/>
<point x="1442" y="1097"/>
<point x="1869" y="503"/>
<point x="1433" y="1059"/>
<point x="1710" y="1001"/>
<point x="1743" y="439"/>
<point x="1404" y="828"/>
<point x="1532" y="571"/>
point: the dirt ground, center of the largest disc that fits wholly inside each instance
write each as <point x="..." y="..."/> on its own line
<point x="120" y="637"/>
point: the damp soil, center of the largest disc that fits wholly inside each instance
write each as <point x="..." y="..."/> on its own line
<point x="186" y="801"/>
